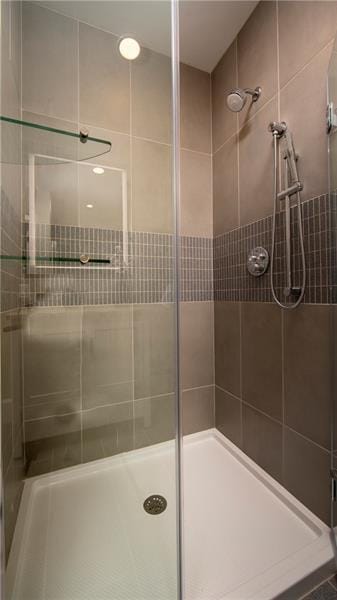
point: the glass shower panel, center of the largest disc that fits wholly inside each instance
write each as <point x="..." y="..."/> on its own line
<point x="97" y="310"/>
<point x="332" y="133"/>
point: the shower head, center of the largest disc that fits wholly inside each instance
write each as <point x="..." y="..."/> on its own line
<point x="237" y="98"/>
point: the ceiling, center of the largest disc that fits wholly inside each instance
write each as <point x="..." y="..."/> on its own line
<point x="207" y="27"/>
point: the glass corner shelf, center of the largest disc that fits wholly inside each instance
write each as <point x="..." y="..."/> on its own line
<point x="21" y="140"/>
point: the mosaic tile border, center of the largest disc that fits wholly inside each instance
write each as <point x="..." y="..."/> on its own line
<point x="144" y="274"/>
<point x="232" y="281"/>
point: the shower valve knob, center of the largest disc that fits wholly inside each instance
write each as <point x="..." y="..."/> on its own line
<point x="257" y="261"/>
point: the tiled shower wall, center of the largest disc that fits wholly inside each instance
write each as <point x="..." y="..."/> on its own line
<point x="273" y="367"/>
<point x="99" y="345"/>
<point x="10" y="271"/>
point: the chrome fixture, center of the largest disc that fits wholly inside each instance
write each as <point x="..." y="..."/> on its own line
<point x="237" y="98"/>
<point x="292" y="186"/>
<point x="258" y="261"/>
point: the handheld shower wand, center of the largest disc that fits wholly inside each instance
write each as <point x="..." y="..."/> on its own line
<point x="293" y="186"/>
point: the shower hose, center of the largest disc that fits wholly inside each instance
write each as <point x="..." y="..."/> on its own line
<point x="300" y="231"/>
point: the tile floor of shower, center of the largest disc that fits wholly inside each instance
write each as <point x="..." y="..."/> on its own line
<point x="82" y="533"/>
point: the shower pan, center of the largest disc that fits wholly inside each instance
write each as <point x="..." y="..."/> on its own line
<point x="167" y="424"/>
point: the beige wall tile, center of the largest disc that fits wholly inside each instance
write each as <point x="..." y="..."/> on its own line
<point x="303" y="101"/>
<point x="307" y="473"/>
<point x="155" y="420"/>
<point x="262" y="440"/>
<point x="151" y="96"/>
<point x="257" y="56"/>
<point x="198" y="409"/>
<point x="228" y="416"/>
<point x="224" y="79"/>
<point x="256" y="166"/>
<point x="304" y="29"/>
<point x="262" y="357"/>
<point x="227" y="346"/>
<point x="152" y="204"/>
<point x="104" y="81"/>
<point x="308" y="365"/>
<point x="196" y="344"/>
<point x="51" y="350"/>
<point x="49" y="68"/>
<point x="106" y="355"/>
<point x="154" y="349"/>
<point x="225" y="187"/>
<point x="195" y="109"/>
<point x="196" y="194"/>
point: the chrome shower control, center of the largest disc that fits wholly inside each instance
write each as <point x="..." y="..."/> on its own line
<point x="257" y="261"/>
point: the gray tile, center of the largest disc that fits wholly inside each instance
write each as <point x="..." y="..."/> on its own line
<point x="196" y="339"/>
<point x="225" y="187"/>
<point x="152" y="205"/>
<point x="306" y="473"/>
<point x="51" y="345"/>
<point x="323" y="592"/>
<point x="227" y="346"/>
<point x="151" y="96"/>
<point x="195" y="109"/>
<point x="50" y="60"/>
<point x="256" y="166"/>
<point x="198" y="409"/>
<point x="228" y="416"/>
<point x="304" y="29"/>
<point x="104" y="81"/>
<point x="302" y="99"/>
<point x="224" y="79"/>
<point x="258" y="67"/>
<point x="154" y="349"/>
<point x="53" y="427"/>
<point x="262" y="440"/>
<point x="196" y="194"/>
<point x="262" y="357"/>
<point x="107" y="430"/>
<point x="106" y="355"/>
<point x="307" y="351"/>
<point x="155" y="420"/>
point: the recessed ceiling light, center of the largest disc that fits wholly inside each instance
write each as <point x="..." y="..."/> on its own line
<point x="98" y="170"/>
<point x="89" y="206"/>
<point x="129" y="48"/>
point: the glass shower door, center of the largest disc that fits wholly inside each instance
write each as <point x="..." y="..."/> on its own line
<point x="97" y="303"/>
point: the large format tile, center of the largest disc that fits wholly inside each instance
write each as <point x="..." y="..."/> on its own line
<point x="262" y="440"/>
<point x="51" y="347"/>
<point x="196" y="331"/>
<point x="53" y="427"/>
<point x="307" y="473"/>
<point x="262" y="357"/>
<point x="224" y="79"/>
<point x="227" y="346"/>
<point x="195" y="115"/>
<point x="228" y="416"/>
<point x="198" y="409"/>
<point x="303" y="101"/>
<point x="152" y="203"/>
<point x="196" y="194"/>
<point x="107" y="355"/>
<point x="225" y="187"/>
<point x="155" y="420"/>
<point x="308" y="364"/>
<point x="107" y="430"/>
<point x="256" y="166"/>
<point x="10" y="59"/>
<point x="304" y="28"/>
<point x="154" y="349"/>
<point x="151" y="96"/>
<point x="104" y="81"/>
<point x="257" y="56"/>
<point x="49" y="63"/>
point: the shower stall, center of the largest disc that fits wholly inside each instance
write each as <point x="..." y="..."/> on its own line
<point x="167" y="194"/>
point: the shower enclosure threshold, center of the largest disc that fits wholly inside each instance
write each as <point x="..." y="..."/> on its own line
<point x="83" y="534"/>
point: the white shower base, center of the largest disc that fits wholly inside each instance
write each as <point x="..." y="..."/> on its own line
<point x="82" y="533"/>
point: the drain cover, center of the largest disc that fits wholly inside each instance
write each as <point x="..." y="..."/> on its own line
<point x="154" y="505"/>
